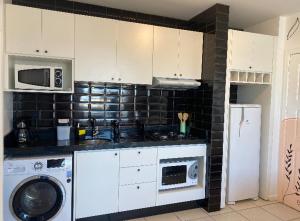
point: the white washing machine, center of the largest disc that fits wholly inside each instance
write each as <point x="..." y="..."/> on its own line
<point x="38" y="188"/>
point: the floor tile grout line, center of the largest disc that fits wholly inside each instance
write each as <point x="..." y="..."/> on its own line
<point x="262" y="207"/>
<point x="253" y="208"/>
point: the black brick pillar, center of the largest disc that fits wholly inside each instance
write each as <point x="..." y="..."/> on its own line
<point x="214" y="74"/>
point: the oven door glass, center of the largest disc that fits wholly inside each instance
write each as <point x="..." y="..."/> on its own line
<point x="40" y="198"/>
<point x="174" y="175"/>
<point x="37" y="77"/>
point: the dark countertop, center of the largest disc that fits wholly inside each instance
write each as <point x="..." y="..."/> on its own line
<point x="61" y="148"/>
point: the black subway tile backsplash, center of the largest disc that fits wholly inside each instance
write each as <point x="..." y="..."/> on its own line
<point x="106" y="102"/>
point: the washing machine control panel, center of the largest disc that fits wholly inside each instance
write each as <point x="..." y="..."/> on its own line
<point x="38" y="165"/>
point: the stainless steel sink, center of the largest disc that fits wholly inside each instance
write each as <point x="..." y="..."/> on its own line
<point x="95" y="142"/>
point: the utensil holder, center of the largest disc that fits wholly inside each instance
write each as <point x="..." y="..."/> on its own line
<point x="182" y="128"/>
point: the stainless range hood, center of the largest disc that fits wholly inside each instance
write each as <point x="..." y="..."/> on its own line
<point x="178" y="84"/>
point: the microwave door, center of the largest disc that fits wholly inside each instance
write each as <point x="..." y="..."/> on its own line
<point x="174" y="175"/>
<point x="34" y="79"/>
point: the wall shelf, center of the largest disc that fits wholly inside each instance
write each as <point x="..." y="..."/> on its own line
<point x="12" y="59"/>
<point x="246" y="77"/>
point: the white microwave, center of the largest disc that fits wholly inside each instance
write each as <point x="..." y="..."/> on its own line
<point x="35" y="77"/>
<point x="178" y="174"/>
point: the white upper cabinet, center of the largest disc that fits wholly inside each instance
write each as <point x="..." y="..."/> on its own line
<point x="165" y="54"/>
<point x="33" y="31"/>
<point x="134" y="53"/>
<point x="250" y="52"/>
<point x="263" y="53"/>
<point x="95" y="49"/>
<point x="23" y="30"/>
<point x="190" y="54"/>
<point x="58" y="34"/>
<point x="177" y="53"/>
<point x="113" y="51"/>
<point x="96" y="183"/>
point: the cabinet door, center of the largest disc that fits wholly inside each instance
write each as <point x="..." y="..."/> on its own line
<point x="138" y="157"/>
<point x="240" y="50"/>
<point x="95" y="49"/>
<point x="263" y="53"/>
<point x="190" y="54"/>
<point x="58" y="34"/>
<point x="135" y="53"/>
<point x="137" y="196"/>
<point x="96" y="183"/>
<point x="23" y="30"/>
<point x="165" y="54"/>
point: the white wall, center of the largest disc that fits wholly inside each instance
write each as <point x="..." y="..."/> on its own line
<point x="271" y="127"/>
<point x="1" y="108"/>
<point x="294" y="42"/>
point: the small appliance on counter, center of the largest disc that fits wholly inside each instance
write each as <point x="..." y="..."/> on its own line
<point x="63" y="129"/>
<point x="22" y="133"/>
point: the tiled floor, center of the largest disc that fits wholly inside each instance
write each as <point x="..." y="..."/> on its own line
<point x="249" y="210"/>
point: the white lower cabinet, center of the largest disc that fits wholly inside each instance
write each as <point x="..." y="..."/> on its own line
<point x="137" y="196"/>
<point x="138" y="157"/>
<point x="110" y="181"/>
<point x="96" y="183"/>
<point x="133" y="175"/>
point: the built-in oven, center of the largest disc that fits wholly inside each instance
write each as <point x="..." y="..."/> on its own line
<point x="178" y="173"/>
<point x="36" y="77"/>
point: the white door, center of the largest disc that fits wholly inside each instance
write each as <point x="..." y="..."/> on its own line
<point x="137" y="196"/>
<point x="263" y="53"/>
<point x="244" y="151"/>
<point x="134" y="53"/>
<point x="58" y="34"/>
<point x="165" y="54"/>
<point x="95" y="49"/>
<point x="96" y="183"/>
<point x="23" y="30"/>
<point x="240" y="50"/>
<point x="190" y="54"/>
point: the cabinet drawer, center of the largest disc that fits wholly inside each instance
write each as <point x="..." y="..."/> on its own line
<point x="132" y="175"/>
<point x="137" y="196"/>
<point x="138" y="157"/>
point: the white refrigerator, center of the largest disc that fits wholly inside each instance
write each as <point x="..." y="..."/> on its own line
<point x="244" y="152"/>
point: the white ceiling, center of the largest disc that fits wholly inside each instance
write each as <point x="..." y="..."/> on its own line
<point x="243" y="13"/>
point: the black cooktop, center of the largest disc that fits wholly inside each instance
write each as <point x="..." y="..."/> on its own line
<point x="165" y="136"/>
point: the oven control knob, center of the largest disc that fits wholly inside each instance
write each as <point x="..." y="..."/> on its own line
<point x="193" y="171"/>
<point x="38" y="165"/>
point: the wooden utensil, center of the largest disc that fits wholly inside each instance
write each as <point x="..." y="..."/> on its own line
<point x="185" y="117"/>
<point x="180" y="117"/>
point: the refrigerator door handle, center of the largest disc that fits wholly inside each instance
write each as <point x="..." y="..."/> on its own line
<point x="242" y="120"/>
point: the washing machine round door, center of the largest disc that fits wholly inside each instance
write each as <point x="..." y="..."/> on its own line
<point x="37" y="198"/>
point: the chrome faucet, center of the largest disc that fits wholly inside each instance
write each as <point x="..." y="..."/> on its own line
<point x="95" y="129"/>
<point x="115" y="130"/>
